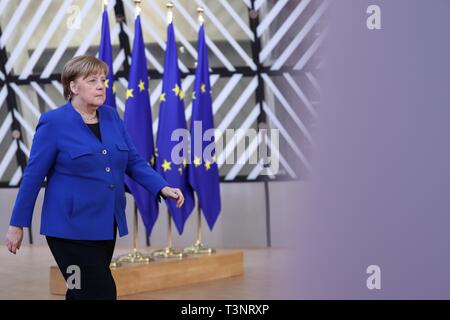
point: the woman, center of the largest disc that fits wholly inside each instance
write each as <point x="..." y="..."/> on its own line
<point x="84" y="151"/>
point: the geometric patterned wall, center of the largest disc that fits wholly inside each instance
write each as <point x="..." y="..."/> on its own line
<point x="264" y="58"/>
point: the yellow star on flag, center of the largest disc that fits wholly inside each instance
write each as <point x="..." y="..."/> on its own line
<point x="153" y="160"/>
<point x="141" y="86"/>
<point x="193" y="95"/>
<point x="207" y="165"/>
<point x="107" y="83"/>
<point x="176" y="89"/>
<point x="203" y="88"/>
<point x="162" y="97"/>
<point x="214" y="159"/>
<point x="114" y="87"/>
<point x="166" y="165"/>
<point x="197" y="161"/>
<point x="129" y="94"/>
<point x="180" y="170"/>
<point x="184" y="163"/>
<point x="181" y="94"/>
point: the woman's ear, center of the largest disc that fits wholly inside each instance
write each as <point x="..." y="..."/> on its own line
<point x="73" y="87"/>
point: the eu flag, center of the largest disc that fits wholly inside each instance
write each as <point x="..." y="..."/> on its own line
<point x="138" y="122"/>
<point x="171" y="117"/>
<point x="105" y="54"/>
<point x="204" y="173"/>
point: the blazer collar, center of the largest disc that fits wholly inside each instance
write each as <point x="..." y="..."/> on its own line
<point x="80" y="122"/>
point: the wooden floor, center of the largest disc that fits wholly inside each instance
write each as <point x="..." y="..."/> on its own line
<point x="26" y="276"/>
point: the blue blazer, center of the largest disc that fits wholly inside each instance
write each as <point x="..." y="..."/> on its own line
<point x="85" y="177"/>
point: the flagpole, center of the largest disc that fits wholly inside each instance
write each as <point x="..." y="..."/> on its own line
<point x="198" y="247"/>
<point x="134" y="256"/>
<point x="169" y="251"/>
<point x="200" y="18"/>
<point x="169" y="231"/>
<point x="199" y="225"/>
<point x="135" y="233"/>
<point x="169" y="6"/>
<point x="114" y="262"/>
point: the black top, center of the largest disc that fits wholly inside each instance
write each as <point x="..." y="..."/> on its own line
<point x="95" y="127"/>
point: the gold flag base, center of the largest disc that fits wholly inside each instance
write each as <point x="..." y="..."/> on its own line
<point x="131" y="257"/>
<point x="198" y="248"/>
<point x="168" y="253"/>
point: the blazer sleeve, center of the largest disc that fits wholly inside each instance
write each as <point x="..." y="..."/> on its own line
<point x="140" y="170"/>
<point x="42" y="158"/>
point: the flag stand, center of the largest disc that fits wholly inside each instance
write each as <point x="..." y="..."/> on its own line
<point x="169" y="251"/>
<point x="198" y="247"/>
<point x="134" y="256"/>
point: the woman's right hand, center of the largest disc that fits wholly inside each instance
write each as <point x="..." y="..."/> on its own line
<point x="14" y="238"/>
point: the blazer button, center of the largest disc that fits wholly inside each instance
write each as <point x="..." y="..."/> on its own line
<point x="104" y="151"/>
<point x="107" y="169"/>
<point x="111" y="186"/>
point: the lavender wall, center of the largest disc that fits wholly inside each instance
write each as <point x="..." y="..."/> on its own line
<point x="380" y="190"/>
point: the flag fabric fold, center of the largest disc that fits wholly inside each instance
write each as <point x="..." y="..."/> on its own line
<point x="204" y="172"/>
<point x="171" y="118"/>
<point x="105" y="54"/>
<point x="138" y="122"/>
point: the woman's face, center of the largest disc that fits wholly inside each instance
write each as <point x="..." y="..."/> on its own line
<point x="91" y="90"/>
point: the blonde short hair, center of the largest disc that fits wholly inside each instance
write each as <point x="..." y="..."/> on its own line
<point x="83" y="66"/>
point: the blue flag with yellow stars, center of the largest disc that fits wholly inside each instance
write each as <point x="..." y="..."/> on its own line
<point x="138" y="122"/>
<point x="171" y="117"/>
<point x="204" y="173"/>
<point x="105" y="54"/>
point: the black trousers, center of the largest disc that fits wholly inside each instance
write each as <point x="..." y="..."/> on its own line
<point x="84" y="265"/>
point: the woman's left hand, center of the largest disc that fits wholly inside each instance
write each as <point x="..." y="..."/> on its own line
<point x="173" y="193"/>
